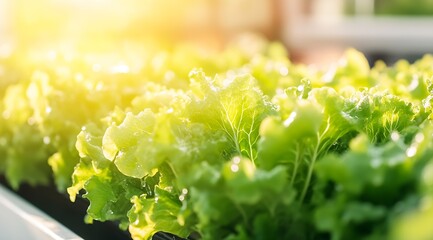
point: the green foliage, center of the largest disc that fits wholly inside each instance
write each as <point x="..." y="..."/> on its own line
<point x="238" y="144"/>
<point x="150" y="215"/>
<point x="235" y="106"/>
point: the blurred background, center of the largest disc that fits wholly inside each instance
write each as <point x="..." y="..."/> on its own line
<point x="314" y="31"/>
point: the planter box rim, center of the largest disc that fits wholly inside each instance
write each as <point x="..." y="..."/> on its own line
<point x="21" y="220"/>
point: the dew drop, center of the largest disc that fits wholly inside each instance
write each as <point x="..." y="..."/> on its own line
<point x="395" y="136"/>
<point x="301" y="88"/>
<point x="411" y="151"/>
<point x="419" y="137"/>
<point x="283" y="71"/>
<point x="47" y="140"/>
<point x="234" y="168"/>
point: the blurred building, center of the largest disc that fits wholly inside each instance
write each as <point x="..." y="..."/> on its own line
<point x="313" y="30"/>
<point x="388" y="29"/>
